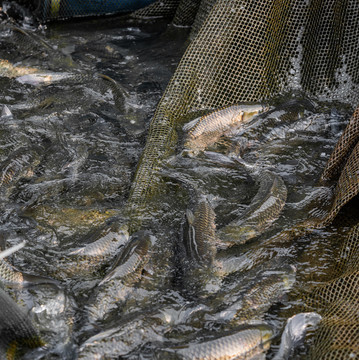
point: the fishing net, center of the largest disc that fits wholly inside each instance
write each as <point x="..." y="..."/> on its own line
<point x="243" y="51"/>
<point x="337" y="336"/>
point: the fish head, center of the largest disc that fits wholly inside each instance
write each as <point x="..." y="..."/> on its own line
<point x="238" y="234"/>
<point x="248" y="112"/>
<point x="266" y="334"/>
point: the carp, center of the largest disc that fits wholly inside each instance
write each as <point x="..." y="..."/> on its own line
<point x="208" y="129"/>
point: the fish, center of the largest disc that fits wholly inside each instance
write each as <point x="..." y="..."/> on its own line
<point x="10" y="71"/>
<point x="269" y="289"/>
<point x="208" y="129"/>
<point x="264" y="208"/>
<point x="20" y="164"/>
<point x="16" y="329"/>
<point x="129" y="264"/>
<point x="294" y="332"/>
<point x="46" y="78"/>
<point x="11" y="276"/>
<point x="102" y="246"/>
<point x="200" y="234"/>
<point x="252" y="297"/>
<point x="120" y="95"/>
<point x="118" y="284"/>
<point x="129" y="334"/>
<point x="262" y="211"/>
<point x="246" y="343"/>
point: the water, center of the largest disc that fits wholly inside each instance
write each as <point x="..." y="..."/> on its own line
<point x="89" y="135"/>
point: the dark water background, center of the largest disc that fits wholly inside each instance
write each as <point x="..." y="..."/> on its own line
<point x="88" y="148"/>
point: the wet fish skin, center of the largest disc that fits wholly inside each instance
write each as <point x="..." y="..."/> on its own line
<point x="102" y="246"/>
<point x="16" y="328"/>
<point x="209" y="128"/>
<point x="10" y="275"/>
<point x="200" y="233"/>
<point x="294" y="332"/>
<point x="129" y="264"/>
<point x="244" y="344"/>
<point x="11" y="71"/>
<point x="263" y="210"/>
<point x="20" y="164"/>
<point x="117" y="286"/>
<point x="269" y="290"/>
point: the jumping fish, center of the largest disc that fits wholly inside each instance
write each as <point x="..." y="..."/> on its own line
<point x="247" y="343"/>
<point x="207" y="130"/>
<point x="16" y="329"/>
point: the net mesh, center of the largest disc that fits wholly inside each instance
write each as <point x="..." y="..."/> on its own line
<point x="337" y="336"/>
<point x="249" y="51"/>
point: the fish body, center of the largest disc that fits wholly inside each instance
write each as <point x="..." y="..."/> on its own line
<point x="103" y="246"/>
<point x="16" y="328"/>
<point x="118" y="285"/>
<point x="45" y="78"/>
<point x="251" y="298"/>
<point x="129" y="264"/>
<point x="11" y="71"/>
<point x="294" y="332"/>
<point x="200" y="234"/>
<point x="244" y="344"/>
<point x="9" y="275"/>
<point x="209" y="128"/>
<point x="264" y="293"/>
<point x="21" y="164"/>
<point x="263" y="210"/>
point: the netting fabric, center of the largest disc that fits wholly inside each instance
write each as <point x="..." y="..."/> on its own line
<point x="337" y="300"/>
<point x="249" y="51"/>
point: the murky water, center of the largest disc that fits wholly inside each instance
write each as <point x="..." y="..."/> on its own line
<point x="84" y="134"/>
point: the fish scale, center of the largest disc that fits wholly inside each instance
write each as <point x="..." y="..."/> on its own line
<point x="16" y="327"/>
<point x="244" y="344"/>
<point x="18" y="165"/>
<point x="263" y="210"/>
<point x="9" y="275"/>
<point x="209" y="128"/>
<point x="201" y="242"/>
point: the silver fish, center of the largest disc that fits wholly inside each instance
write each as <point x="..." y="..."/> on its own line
<point x="16" y="328"/>
<point x="209" y="128"/>
<point x="244" y="344"/>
